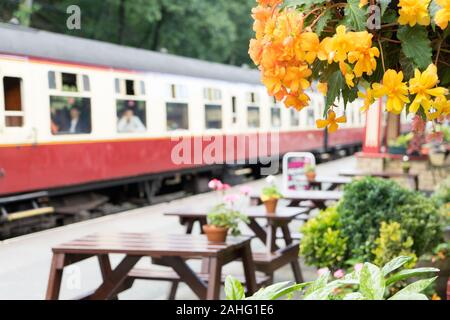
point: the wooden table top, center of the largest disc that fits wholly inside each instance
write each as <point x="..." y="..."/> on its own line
<point x="146" y="244"/>
<point x="283" y="213"/>
<point x="355" y="173"/>
<point x="328" y="179"/>
<point x="304" y="195"/>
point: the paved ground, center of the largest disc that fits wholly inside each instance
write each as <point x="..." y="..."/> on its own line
<point x="25" y="261"/>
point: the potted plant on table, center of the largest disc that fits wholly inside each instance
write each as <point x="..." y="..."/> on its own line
<point x="400" y="145"/>
<point x="270" y="195"/>
<point x="406" y="165"/>
<point x="310" y="172"/>
<point x="222" y="219"/>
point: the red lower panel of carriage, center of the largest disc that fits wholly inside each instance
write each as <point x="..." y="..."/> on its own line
<point x="47" y="166"/>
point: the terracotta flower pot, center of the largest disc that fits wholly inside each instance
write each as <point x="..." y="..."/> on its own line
<point x="311" y="176"/>
<point x="215" y="234"/>
<point x="271" y="205"/>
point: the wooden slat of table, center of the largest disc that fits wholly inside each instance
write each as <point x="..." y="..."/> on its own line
<point x="283" y="213"/>
<point x="304" y="195"/>
<point x="329" y="179"/>
<point x="146" y="244"/>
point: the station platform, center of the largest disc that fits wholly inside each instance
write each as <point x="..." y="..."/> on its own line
<point x="25" y="261"/>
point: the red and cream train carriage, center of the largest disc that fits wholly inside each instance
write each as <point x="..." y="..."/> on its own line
<point x="76" y="113"/>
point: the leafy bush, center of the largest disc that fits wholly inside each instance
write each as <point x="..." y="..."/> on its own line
<point x="442" y="193"/>
<point x="323" y="244"/>
<point x="370" y="201"/>
<point x="369" y="283"/>
<point x="391" y="242"/>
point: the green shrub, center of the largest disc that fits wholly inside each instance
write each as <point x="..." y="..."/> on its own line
<point x="370" y="201"/>
<point x="322" y="244"/>
<point x="392" y="242"/>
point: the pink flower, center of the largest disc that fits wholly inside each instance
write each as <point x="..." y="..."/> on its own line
<point x="245" y="190"/>
<point x="358" y="267"/>
<point x="215" y="184"/>
<point x="231" y="198"/>
<point x="339" y="273"/>
<point x="322" y="271"/>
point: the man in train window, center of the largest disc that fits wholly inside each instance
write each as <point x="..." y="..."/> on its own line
<point x="129" y="122"/>
<point x="76" y="125"/>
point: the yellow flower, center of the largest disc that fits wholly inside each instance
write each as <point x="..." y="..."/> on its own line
<point x="295" y="78"/>
<point x="363" y="54"/>
<point x="296" y="101"/>
<point x="424" y="86"/>
<point x="442" y="16"/>
<point x="308" y="46"/>
<point x="362" y="3"/>
<point x="395" y="90"/>
<point x="346" y="71"/>
<point x="331" y="121"/>
<point x="322" y="87"/>
<point x="414" y="11"/>
<point x="368" y="99"/>
<point x="440" y="106"/>
<point x="341" y="44"/>
<point x="325" y="53"/>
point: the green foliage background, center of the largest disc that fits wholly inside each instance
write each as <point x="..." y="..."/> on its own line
<point x="215" y="30"/>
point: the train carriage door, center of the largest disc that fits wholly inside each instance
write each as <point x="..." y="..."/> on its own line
<point x="12" y="112"/>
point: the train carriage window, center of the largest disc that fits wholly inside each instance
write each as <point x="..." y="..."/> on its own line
<point x="129" y="87"/>
<point x="70" y="115"/>
<point x="86" y="83"/>
<point x="177" y="116"/>
<point x="253" y="116"/>
<point x="233" y="110"/>
<point x="131" y="115"/>
<point x="295" y="117"/>
<point x="275" y="116"/>
<point x="69" y="82"/>
<point x="117" y="85"/>
<point x="142" y="83"/>
<point x="178" y="91"/>
<point x="12" y="89"/>
<point x="213" y="116"/>
<point x="51" y="80"/>
<point x="310" y="118"/>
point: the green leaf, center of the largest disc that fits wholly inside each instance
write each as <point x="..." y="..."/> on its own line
<point x="416" y="45"/>
<point x="233" y="289"/>
<point x="413" y="288"/>
<point x="302" y="3"/>
<point x="371" y="282"/>
<point x="349" y="94"/>
<point x="407" y="66"/>
<point x="277" y="290"/>
<point x="319" y="283"/>
<point x="408" y="273"/>
<point x="384" y="5"/>
<point x="395" y="264"/>
<point x="355" y="17"/>
<point x="336" y="83"/>
<point x="320" y="25"/>
<point x="354" y="296"/>
<point x="410" y="296"/>
<point x="390" y="16"/>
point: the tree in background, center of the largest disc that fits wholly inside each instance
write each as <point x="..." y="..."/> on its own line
<point x="216" y="30"/>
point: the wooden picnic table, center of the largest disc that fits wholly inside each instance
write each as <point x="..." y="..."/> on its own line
<point x="169" y="250"/>
<point x="413" y="178"/>
<point x="318" y="198"/>
<point x="333" y="181"/>
<point x="274" y="257"/>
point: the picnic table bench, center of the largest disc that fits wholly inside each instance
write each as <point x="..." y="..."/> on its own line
<point x="274" y="257"/>
<point x="413" y="178"/>
<point x="317" y="198"/>
<point x="168" y="250"/>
